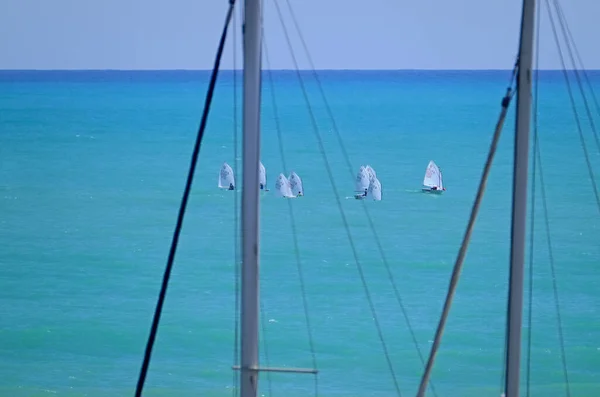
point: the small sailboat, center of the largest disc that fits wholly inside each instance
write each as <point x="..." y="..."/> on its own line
<point x="262" y="177"/>
<point x="282" y="187"/>
<point x="362" y="183"/>
<point x="296" y="185"/>
<point x="374" y="190"/>
<point x="433" y="182"/>
<point x="226" y="178"/>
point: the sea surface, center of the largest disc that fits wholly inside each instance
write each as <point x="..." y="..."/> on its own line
<point x="92" y="170"/>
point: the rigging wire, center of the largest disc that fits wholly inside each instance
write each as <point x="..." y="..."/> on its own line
<point x="467" y="236"/>
<point x="533" y="197"/>
<point x="574" y="108"/>
<point x="339" y="204"/>
<point x="585" y="74"/>
<point x="292" y="220"/>
<point x="570" y="43"/>
<point x="236" y="265"/>
<point x="553" y="275"/>
<point x="263" y="322"/>
<point x="538" y="156"/>
<point x="182" y="208"/>
<point x="349" y="165"/>
<point x="538" y="159"/>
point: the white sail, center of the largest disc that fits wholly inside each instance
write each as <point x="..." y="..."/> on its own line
<point x="374" y="190"/>
<point x="296" y="184"/>
<point x="362" y="179"/>
<point x="371" y="172"/>
<point x="433" y="176"/>
<point x="282" y="187"/>
<point x="262" y="176"/>
<point x="226" y="177"/>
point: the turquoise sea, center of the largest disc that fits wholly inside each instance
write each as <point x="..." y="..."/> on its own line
<point x="92" y="169"/>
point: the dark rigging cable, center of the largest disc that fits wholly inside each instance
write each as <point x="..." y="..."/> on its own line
<point x="574" y="108"/>
<point x="572" y="48"/>
<point x="299" y="266"/>
<point x="467" y="236"/>
<point x="339" y="204"/>
<point x="182" y="208"/>
<point x="263" y="321"/>
<point x="547" y="222"/>
<point x="365" y="208"/>
<point x="538" y="160"/>
<point x="585" y="74"/>
<point x="561" y="338"/>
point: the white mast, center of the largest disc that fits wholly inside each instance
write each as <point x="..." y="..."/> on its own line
<point x="252" y="31"/>
<point x="519" y="210"/>
<point x="250" y="204"/>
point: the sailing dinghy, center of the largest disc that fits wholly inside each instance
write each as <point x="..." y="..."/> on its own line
<point x="362" y="183"/>
<point x="226" y="178"/>
<point x="296" y="184"/>
<point x="262" y="177"/>
<point x="433" y="182"/>
<point x="282" y="187"/>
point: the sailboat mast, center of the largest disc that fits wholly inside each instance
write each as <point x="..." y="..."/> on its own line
<point x="519" y="207"/>
<point x="250" y="195"/>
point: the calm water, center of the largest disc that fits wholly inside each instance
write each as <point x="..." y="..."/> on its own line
<point x="92" y="167"/>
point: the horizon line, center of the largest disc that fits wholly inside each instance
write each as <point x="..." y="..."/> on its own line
<point x="283" y="70"/>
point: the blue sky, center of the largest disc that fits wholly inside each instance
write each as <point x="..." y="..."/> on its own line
<point x="341" y="34"/>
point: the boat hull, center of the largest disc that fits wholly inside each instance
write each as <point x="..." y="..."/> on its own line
<point x="431" y="191"/>
<point x="359" y="197"/>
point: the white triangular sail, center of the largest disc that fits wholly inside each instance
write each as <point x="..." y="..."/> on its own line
<point x="262" y="176"/>
<point x="433" y="176"/>
<point x="296" y="184"/>
<point x="371" y="172"/>
<point x="282" y="187"/>
<point x="374" y="190"/>
<point x="362" y="180"/>
<point x="226" y="178"/>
